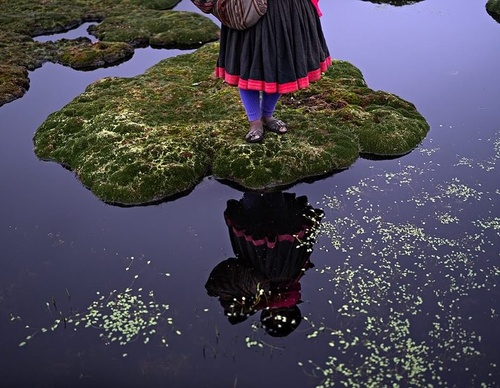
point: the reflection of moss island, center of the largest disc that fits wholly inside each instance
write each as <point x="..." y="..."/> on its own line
<point x="138" y="140"/>
<point x="125" y="24"/>
<point x="493" y="8"/>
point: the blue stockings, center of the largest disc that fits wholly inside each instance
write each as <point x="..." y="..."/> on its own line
<point x="257" y="107"/>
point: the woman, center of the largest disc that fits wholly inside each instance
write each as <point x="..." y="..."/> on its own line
<point x="283" y="52"/>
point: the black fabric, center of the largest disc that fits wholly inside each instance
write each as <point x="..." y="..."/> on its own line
<point x="272" y="235"/>
<point x="263" y="229"/>
<point x="283" y="47"/>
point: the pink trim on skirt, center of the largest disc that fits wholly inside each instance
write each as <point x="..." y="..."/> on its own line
<point x="274" y="87"/>
<point x="316" y="5"/>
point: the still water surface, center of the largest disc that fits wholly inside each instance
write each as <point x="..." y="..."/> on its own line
<point x="406" y="263"/>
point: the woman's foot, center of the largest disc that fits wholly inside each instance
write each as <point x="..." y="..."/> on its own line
<point x="256" y="132"/>
<point x="274" y="125"/>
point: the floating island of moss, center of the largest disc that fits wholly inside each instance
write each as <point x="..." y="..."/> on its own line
<point x="140" y="140"/>
<point x="126" y="24"/>
<point x="493" y="8"/>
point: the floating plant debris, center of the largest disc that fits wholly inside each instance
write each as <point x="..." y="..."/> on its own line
<point x="415" y="298"/>
<point x="122" y="316"/>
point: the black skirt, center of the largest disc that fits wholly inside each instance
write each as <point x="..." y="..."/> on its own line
<point x="273" y="233"/>
<point x="283" y="52"/>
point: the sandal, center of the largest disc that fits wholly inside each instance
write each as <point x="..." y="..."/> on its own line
<point x="255" y="135"/>
<point x="275" y="125"/>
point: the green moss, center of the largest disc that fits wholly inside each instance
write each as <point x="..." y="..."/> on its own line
<point x="94" y="55"/>
<point x="493" y="8"/>
<point x="166" y="29"/>
<point x="139" y="140"/>
<point x="155" y="4"/>
<point x="14" y="83"/>
<point x="20" y="50"/>
<point x="135" y="22"/>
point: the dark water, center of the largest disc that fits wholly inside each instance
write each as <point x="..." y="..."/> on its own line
<point x="404" y="288"/>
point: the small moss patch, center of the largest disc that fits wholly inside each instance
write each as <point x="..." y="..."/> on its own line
<point x="167" y="29"/>
<point x="85" y="55"/>
<point x="143" y="139"/>
<point x="493" y="8"/>
<point x="14" y="81"/>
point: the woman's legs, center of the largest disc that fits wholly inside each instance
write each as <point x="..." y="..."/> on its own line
<point x="251" y="102"/>
<point x="260" y="113"/>
<point x="268" y="106"/>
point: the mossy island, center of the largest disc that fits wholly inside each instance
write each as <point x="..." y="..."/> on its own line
<point x="124" y="25"/>
<point x="144" y="139"/>
<point x="141" y="140"/>
<point x="493" y="8"/>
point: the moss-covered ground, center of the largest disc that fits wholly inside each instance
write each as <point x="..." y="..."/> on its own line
<point x="125" y="24"/>
<point x="493" y="8"/>
<point x="139" y="140"/>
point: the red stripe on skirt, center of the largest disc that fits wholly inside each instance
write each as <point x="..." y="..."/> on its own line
<point x="274" y="87"/>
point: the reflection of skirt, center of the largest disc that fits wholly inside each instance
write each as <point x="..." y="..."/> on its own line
<point x="272" y="232"/>
<point x="283" y="52"/>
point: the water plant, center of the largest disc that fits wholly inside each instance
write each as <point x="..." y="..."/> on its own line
<point x="413" y="298"/>
<point x="121" y="316"/>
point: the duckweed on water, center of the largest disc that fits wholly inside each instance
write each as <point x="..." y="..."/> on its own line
<point x="125" y="317"/>
<point x="415" y="302"/>
<point x="122" y="317"/>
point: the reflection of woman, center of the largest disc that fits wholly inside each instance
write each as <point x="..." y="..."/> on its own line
<point x="272" y="237"/>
